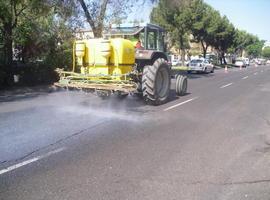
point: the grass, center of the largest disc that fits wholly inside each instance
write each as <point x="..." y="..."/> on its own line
<point x="180" y="68"/>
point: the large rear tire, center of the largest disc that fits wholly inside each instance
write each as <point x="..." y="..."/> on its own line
<point x="156" y="82"/>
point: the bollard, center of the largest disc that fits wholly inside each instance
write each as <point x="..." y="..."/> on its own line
<point x="226" y="69"/>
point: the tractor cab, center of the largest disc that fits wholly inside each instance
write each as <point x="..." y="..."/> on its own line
<point x="148" y="39"/>
<point x="151" y="36"/>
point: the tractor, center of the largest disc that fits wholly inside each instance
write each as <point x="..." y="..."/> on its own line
<point x="129" y="59"/>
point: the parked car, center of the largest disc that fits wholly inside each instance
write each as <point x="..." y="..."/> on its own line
<point x="268" y="62"/>
<point x="175" y="62"/>
<point x="200" y="65"/>
<point x="260" y="61"/>
<point x="240" y="63"/>
<point x="246" y="60"/>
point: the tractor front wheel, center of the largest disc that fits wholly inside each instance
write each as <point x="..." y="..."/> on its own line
<point x="103" y="94"/>
<point x="156" y="82"/>
<point x="181" y="85"/>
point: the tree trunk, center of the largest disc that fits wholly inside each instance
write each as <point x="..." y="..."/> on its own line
<point x="220" y="57"/>
<point x="223" y="58"/>
<point x="97" y="23"/>
<point x="181" y="44"/>
<point x="7" y="36"/>
<point x="205" y="47"/>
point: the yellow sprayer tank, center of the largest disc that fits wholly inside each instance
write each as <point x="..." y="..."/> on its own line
<point x="80" y="52"/>
<point x="105" y="57"/>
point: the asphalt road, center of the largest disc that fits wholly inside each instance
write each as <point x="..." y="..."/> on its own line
<point x="212" y="144"/>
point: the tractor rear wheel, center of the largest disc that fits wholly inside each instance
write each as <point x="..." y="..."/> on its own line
<point x="156" y="82"/>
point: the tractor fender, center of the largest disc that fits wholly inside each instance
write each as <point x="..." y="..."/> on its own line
<point x="150" y="55"/>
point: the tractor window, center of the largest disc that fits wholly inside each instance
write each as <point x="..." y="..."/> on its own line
<point x="152" y="40"/>
<point x="141" y="37"/>
<point x="160" y="41"/>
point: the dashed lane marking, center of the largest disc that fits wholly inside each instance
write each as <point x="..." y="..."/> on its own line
<point x="179" y="104"/>
<point x="255" y="73"/>
<point x="245" y="77"/>
<point x="227" y="85"/>
<point x="26" y="162"/>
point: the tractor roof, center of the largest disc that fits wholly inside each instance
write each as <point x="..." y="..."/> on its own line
<point x="132" y="29"/>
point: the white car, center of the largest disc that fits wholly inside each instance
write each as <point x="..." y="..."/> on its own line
<point x="175" y="62"/>
<point x="240" y="63"/>
<point x="268" y="62"/>
<point x="246" y="60"/>
<point x="200" y="65"/>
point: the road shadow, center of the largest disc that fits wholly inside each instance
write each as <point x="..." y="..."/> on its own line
<point x="20" y="94"/>
<point x="192" y="75"/>
<point x="173" y="96"/>
<point x="199" y="75"/>
<point x="131" y="103"/>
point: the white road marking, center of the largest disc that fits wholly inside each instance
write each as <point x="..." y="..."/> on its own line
<point x="245" y="77"/>
<point x="179" y="104"/>
<point x="255" y="73"/>
<point x="16" y="166"/>
<point x="227" y="85"/>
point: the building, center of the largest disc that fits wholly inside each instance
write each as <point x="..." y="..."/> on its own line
<point x="84" y="34"/>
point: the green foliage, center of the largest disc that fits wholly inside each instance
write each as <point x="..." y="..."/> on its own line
<point x="176" y="18"/>
<point x="203" y="23"/>
<point x="42" y="34"/>
<point x="36" y="73"/>
<point x="255" y="49"/>
<point x="248" y="42"/>
<point x="266" y="52"/>
<point x="184" y="17"/>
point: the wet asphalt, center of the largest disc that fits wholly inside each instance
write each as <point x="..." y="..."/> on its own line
<point x="213" y="143"/>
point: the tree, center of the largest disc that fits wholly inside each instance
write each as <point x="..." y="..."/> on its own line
<point x="9" y="13"/>
<point x="175" y="17"/>
<point x="242" y="40"/>
<point x="19" y="19"/>
<point x="203" y="18"/>
<point x="98" y="12"/>
<point x="224" y="33"/>
<point x="254" y="50"/>
<point x="266" y="52"/>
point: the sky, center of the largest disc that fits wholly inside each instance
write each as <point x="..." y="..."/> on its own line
<point x="252" y="16"/>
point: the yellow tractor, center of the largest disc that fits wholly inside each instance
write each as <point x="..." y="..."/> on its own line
<point x="129" y="59"/>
